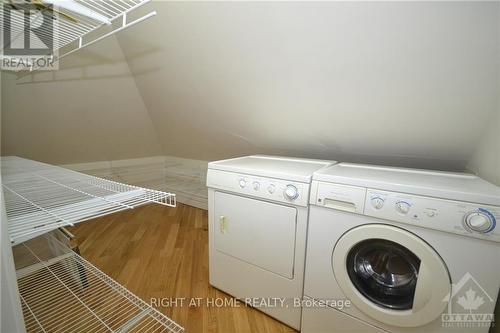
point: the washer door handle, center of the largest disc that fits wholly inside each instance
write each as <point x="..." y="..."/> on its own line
<point x="429" y="285"/>
<point x="423" y="289"/>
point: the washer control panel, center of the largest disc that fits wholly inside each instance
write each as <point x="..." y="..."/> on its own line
<point x="463" y="218"/>
<point x="261" y="187"/>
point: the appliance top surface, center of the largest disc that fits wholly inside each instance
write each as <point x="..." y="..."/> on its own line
<point x="438" y="184"/>
<point x="297" y="169"/>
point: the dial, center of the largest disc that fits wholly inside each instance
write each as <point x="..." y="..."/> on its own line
<point x="243" y="183"/>
<point x="480" y="220"/>
<point x="291" y="192"/>
<point x="402" y="207"/>
<point x="271" y="188"/>
<point x="430" y="213"/>
<point x="377" y="202"/>
<point x="256" y="186"/>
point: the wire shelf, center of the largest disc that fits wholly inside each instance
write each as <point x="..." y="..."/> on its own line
<point x="40" y="197"/>
<point x="72" y="30"/>
<point x="187" y="181"/>
<point x="62" y="292"/>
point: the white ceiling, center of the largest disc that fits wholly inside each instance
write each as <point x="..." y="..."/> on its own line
<point x="404" y="83"/>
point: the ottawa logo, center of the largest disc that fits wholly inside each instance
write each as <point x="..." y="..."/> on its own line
<point x="469" y="305"/>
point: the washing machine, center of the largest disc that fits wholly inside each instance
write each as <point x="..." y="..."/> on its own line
<point x="401" y="250"/>
<point x="258" y="212"/>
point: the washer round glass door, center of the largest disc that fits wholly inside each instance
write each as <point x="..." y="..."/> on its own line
<point x="384" y="272"/>
<point x="402" y="285"/>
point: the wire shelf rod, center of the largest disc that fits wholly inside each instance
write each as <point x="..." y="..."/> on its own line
<point x="70" y="32"/>
<point x="85" y="305"/>
<point x="32" y="317"/>
<point x="130" y="24"/>
<point x="40" y="197"/>
<point x="107" y="11"/>
<point x="72" y="295"/>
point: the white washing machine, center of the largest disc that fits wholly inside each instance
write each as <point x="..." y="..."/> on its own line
<point x="411" y="250"/>
<point x="258" y="210"/>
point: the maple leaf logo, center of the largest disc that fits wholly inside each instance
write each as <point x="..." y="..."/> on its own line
<point x="470" y="301"/>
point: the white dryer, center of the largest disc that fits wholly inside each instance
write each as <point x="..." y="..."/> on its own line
<point x="258" y="212"/>
<point x="412" y="250"/>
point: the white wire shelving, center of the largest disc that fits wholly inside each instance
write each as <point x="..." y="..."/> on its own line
<point x="107" y="18"/>
<point x="187" y="180"/>
<point x="62" y="292"/>
<point x="40" y="197"/>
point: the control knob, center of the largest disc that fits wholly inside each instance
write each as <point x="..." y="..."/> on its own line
<point x="291" y="192"/>
<point x="377" y="202"/>
<point x="402" y="207"/>
<point x="480" y="220"/>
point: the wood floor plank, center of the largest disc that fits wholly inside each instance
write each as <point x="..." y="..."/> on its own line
<point x="162" y="253"/>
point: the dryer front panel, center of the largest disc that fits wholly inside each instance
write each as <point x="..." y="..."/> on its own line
<point x="257" y="232"/>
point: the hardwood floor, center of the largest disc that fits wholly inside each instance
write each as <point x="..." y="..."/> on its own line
<point x="162" y="253"/>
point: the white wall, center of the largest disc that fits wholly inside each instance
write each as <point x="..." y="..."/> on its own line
<point x="89" y="110"/>
<point x="380" y="82"/>
<point x="486" y="158"/>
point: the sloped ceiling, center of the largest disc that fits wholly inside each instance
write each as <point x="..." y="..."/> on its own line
<point x="403" y="83"/>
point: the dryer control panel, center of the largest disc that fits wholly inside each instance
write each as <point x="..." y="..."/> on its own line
<point x="468" y="219"/>
<point x="274" y="189"/>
